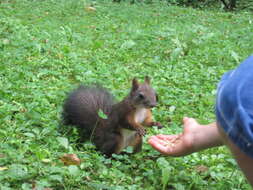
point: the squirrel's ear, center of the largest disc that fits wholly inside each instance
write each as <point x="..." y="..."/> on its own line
<point x="135" y="84"/>
<point x="147" y="79"/>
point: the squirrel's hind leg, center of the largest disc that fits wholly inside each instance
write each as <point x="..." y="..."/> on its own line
<point x="137" y="144"/>
<point x="110" y="145"/>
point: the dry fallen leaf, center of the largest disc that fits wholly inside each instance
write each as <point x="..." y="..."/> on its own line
<point x="201" y="168"/>
<point x="6" y="41"/>
<point x="3" y="168"/>
<point x="90" y="9"/>
<point x="46" y="160"/>
<point x="34" y="187"/>
<point x="87" y="178"/>
<point x="70" y="159"/>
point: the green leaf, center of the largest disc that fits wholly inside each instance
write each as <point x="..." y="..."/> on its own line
<point x="129" y="149"/>
<point x="73" y="170"/>
<point x="163" y="164"/>
<point x="29" y="135"/>
<point x="63" y="142"/>
<point x="17" y="171"/>
<point x="165" y="177"/>
<point x="26" y="186"/>
<point x="235" y="56"/>
<point x="55" y="178"/>
<point x="128" y="44"/>
<point x="101" y="114"/>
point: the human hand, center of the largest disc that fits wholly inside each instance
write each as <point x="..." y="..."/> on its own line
<point x="180" y="144"/>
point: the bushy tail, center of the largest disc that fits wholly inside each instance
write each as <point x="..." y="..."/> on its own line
<point x="82" y="105"/>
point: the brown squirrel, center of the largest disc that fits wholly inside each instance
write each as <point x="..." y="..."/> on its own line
<point x="123" y="126"/>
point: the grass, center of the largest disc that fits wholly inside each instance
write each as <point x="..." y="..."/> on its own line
<point x="49" y="47"/>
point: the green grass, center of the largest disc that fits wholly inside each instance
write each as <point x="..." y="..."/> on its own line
<point x="49" y="47"/>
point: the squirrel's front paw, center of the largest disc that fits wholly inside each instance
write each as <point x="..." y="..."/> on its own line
<point x="158" y="124"/>
<point x="141" y="132"/>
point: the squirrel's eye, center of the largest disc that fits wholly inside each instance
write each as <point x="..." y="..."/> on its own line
<point x="141" y="96"/>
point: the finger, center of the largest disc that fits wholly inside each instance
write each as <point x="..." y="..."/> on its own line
<point x="170" y="149"/>
<point x="166" y="141"/>
<point x="167" y="137"/>
<point x="185" y="119"/>
<point x="189" y="121"/>
<point x="158" y="141"/>
<point x="159" y="147"/>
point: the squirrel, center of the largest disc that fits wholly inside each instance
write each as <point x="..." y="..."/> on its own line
<point x="124" y="125"/>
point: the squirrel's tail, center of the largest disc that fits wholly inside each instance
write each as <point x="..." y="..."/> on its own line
<point x="82" y="105"/>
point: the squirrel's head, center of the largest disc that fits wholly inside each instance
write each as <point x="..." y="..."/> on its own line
<point x="142" y="94"/>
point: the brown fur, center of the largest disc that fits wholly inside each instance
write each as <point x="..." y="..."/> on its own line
<point x="126" y="120"/>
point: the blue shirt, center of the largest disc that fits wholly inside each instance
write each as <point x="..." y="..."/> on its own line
<point x="234" y="105"/>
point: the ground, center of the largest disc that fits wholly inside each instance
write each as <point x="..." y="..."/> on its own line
<point x="49" y="47"/>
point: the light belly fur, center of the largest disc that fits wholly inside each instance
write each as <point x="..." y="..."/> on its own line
<point x="129" y="136"/>
<point x="140" y="115"/>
